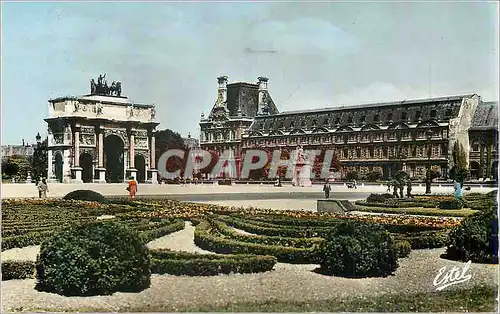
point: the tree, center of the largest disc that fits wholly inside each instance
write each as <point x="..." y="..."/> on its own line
<point x="168" y="139"/>
<point x="39" y="160"/>
<point x="24" y="166"/>
<point x="459" y="172"/>
<point x="9" y="169"/>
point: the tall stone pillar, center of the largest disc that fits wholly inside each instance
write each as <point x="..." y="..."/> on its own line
<point x="50" y="167"/>
<point x="153" y="173"/>
<point x="77" y="170"/>
<point x="131" y="171"/>
<point x="100" y="175"/>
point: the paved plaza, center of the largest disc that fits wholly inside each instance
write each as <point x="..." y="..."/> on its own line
<point x="214" y="192"/>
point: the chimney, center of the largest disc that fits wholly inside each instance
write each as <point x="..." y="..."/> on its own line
<point x="262" y="92"/>
<point x="23" y="142"/>
<point x="222" y="90"/>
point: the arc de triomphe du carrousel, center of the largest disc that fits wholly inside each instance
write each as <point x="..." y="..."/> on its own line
<point x="101" y="137"/>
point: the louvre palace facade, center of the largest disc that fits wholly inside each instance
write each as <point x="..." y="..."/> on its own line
<point x="385" y="137"/>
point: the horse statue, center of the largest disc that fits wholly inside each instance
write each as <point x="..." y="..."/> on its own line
<point x="116" y="89"/>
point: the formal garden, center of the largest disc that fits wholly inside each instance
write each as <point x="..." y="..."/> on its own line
<point x="247" y="259"/>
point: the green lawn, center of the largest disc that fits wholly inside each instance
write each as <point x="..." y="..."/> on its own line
<point x="418" y="211"/>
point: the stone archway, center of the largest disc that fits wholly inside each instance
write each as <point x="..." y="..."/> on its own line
<point x="59" y="167"/>
<point x="86" y="164"/>
<point x="114" y="158"/>
<point x="140" y="165"/>
<point x="474" y="169"/>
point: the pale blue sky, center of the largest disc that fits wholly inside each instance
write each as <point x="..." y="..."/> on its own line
<point x="170" y="54"/>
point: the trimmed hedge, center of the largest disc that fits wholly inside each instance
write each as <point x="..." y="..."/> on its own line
<point x="150" y="235"/>
<point x="358" y="249"/>
<point x="453" y="204"/>
<point x="379" y="198"/>
<point x="475" y="239"/>
<point x="403" y="248"/>
<point x="18" y="270"/>
<point x="85" y="195"/>
<point x="206" y="237"/>
<point x="32" y="238"/>
<point x="225" y="230"/>
<point x="189" y="264"/>
<point x="280" y="231"/>
<point x="97" y="258"/>
<point x="425" y="240"/>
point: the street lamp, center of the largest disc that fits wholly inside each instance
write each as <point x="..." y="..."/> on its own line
<point x="428" y="178"/>
<point x="38" y="138"/>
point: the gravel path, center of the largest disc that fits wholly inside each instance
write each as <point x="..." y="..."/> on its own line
<point x="286" y="282"/>
<point x="27" y="253"/>
<point x="182" y="240"/>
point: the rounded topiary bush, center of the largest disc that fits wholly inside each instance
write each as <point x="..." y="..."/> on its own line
<point x="358" y="249"/>
<point x="85" y="195"/>
<point x="97" y="258"/>
<point x="476" y="238"/>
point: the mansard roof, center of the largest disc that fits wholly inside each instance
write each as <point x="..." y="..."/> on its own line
<point x="486" y="116"/>
<point x="393" y="114"/>
<point x="377" y="105"/>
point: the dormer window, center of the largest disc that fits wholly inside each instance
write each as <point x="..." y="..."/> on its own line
<point x="349" y="119"/>
<point x="362" y="119"/>
<point x="376" y="118"/>
<point x="389" y="117"/>
<point x="326" y="121"/>
<point x="303" y="124"/>
<point x="314" y="123"/>
<point x="404" y="115"/>
<point x="292" y="124"/>
<point x="433" y="113"/>
<point x="337" y="121"/>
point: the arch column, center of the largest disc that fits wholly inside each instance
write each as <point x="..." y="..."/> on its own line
<point x="100" y="174"/>
<point x="152" y="172"/>
<point x="76" y="169"/>
<point x="131" y="171"/>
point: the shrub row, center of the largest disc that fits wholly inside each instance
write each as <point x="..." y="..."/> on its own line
<point x="225" y="230"/>
<point x="18" y="270"/>
<point x="188" y="264"/>
<point x="206" y="237"/>
<point x="19" y="241"/>
<point x="425" y="240"/>
<point x="173" y="263"/>
<point x="281" y="220"/>
<point x="403" y="248"/>
<point x="379" y="198"/>
<point x="280" y="231"/>
<point x="452" y="204"/>
<point x="150" y="235"/>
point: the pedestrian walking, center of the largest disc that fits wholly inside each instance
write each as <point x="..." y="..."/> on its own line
<point x="354" y="183"/>
<point x="327" y="188"/>
<point x="43" y="188"/>
<point x="388" y="186"/>
<point x="458" y="190"/>
<point x="132" y="187"/>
